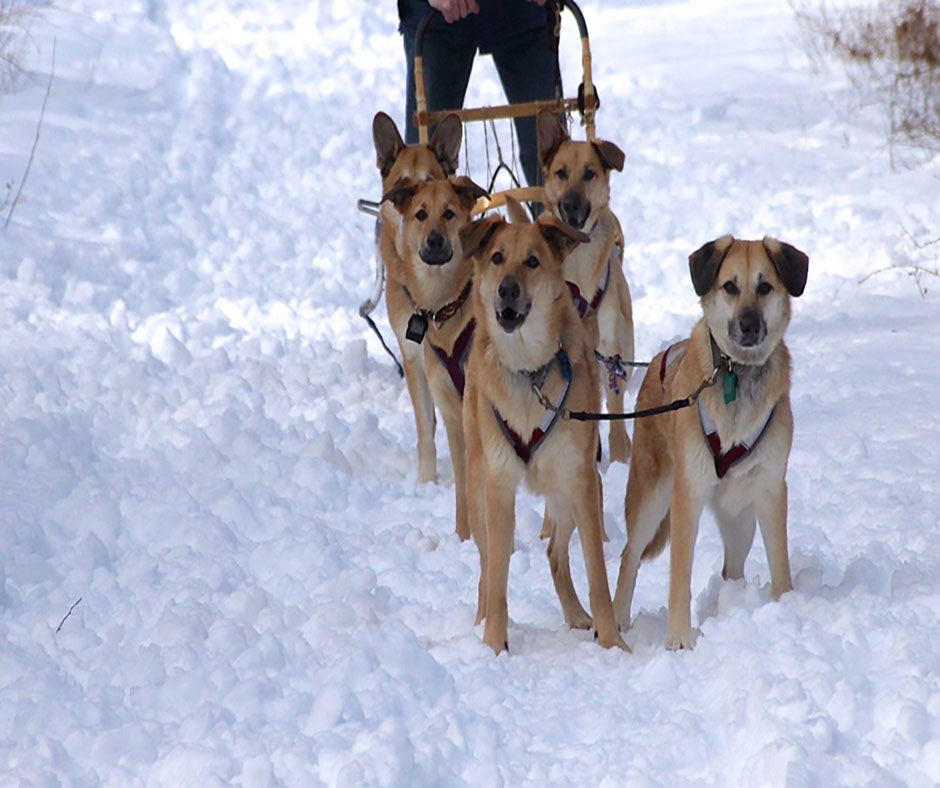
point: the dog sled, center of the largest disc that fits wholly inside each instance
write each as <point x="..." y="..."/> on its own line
<point x="585" y="103"/>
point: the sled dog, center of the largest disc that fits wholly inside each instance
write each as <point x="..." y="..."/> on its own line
<point x="730" y="449"/>
<point x="395" y="161"/>
<point x="577" y="190"/>
<point x="436" y="280"/>
<point x="531" y="348"/>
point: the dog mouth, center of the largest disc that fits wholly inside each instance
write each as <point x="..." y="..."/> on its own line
<point x="510" y="318"/>
<point x="576" y="217"/>
<point x="436" y="256"/>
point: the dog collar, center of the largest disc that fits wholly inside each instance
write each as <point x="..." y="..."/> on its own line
<point x="525" y="449"/>
<point x="584" y="306"/>
<point x="455" y="362"/>
<point x="418" y="322"/>
<point x="727" y="459"/>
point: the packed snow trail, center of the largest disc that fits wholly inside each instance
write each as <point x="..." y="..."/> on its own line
<point x="203" y="442"/>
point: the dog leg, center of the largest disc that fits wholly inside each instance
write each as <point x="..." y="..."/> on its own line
<point x="575" y="615"/>
<point x="647" y="516"/>
<point x="500" y="527"/>
<point x="619" y="440"/>
<point x="588" y="517"/>
<point x="455" y="439"/>
<point x="772" y="516"/>
<point x="737" y="535"/>
<point x="685" y="512"/>
<point x="425" y="421"/>
<point x="476" y="495"/>
<point x="548" y="525"/>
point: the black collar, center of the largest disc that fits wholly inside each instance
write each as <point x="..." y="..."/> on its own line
<point x="447" y="311"/>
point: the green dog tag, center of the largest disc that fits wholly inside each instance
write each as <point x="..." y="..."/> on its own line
<point x="730" y="382"/>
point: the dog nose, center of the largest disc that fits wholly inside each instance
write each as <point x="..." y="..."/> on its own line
<point x="509" y="289"/>
<point x="749" y="323"/>
<point x="435" y="241"/>
<point x="571" y="204"/>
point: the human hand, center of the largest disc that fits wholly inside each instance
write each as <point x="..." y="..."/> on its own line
<point x="456" y="9"/>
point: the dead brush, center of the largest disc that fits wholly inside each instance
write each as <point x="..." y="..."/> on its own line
<point x="891" y="51"/>
<point x="14" y="19"/>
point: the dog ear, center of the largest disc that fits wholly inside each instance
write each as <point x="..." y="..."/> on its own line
<point x="402" y="193"/>
<point x="705" y="262"/>
<point x="551" y="134"/>
<point x="445" y="143"/>
<point x="611" y="156"/>
<point x="467" y="191"/>
<point x="388" y="142"/>
<point x="792" y="265"/>
<point x="560" y="236"/>
<point x="516" y="211"/>
<point x="475" y="236"/>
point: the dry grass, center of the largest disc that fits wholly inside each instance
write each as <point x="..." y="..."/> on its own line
<point x="14" y="17"/>
<point x="891" y="51"/>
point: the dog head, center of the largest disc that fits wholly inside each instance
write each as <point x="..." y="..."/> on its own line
<point x="432" y="214"/>
<point x="745" y="287"/>
<point x="433" y="161"/>
<point x="519" y="289"/>
<point x="576" y="173"/>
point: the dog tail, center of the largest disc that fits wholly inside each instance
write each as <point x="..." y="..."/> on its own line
<point x="659" y="540"/>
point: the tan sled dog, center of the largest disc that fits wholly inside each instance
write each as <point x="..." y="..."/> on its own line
<point x="577" y="190"/>
<point x="530" y="337"/>
<point x="395" y="161"/>
<point x="436" y="279"/>
<point x="731" y="449"/>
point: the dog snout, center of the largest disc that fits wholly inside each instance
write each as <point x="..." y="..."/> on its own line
<point x="437" y="249"/>
<point x="509" y="289"/>
<point x="574" y="209"/>
<point x="751" y="327"/>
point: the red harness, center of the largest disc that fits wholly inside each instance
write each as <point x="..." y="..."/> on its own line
<point x="455" y="362"/>
<point x="724" y="460"/>
<point x="584" y="306"/>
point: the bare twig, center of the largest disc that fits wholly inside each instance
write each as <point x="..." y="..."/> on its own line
<point x="74" y="604"/>
<point x="32" y="152"/>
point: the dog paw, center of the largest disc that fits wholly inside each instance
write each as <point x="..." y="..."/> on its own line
<point x="427" y="475"/>
<point x="681" y="640"/>
<point x="579" y="621"/>
<point x="611" y="640"/>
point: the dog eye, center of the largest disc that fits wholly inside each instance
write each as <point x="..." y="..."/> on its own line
<point x="421" y="215"/>
<point x="532" y="261"/>
<point x="764" y="288"/>
<point x="589" y="174"/>
<point x="731" y="288"/>
<point x="562" y="175"/>
<point x="497" y="258"/>
<point x="448" y="214"/>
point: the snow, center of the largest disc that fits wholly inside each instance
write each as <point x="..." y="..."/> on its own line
<point x="204" y="443"/>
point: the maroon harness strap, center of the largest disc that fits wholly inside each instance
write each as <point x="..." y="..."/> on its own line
<point x="584" y="306"/>
<point x="724" y="460"/>
<point x="456" y="361"/>
<point x="524" y="449"/>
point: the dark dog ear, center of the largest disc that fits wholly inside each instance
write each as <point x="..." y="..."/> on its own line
<point x="467" y="191"/>
<point x="402" y="193"/>
<point x="792" y="265"/>
<point x="445" y="143"/>
<point x="560" y="236"/>
<point x="475" y="236"/>
<point x="610" y="155"/>
<point x="388" y="142"/>
<point x="551" y="134"/>
<point x="705" y="262"/>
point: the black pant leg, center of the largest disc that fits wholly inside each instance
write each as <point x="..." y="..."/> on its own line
<point x="447" y="66"/>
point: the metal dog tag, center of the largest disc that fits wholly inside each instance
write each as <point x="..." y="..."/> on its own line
<point x="417" y="328"/>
